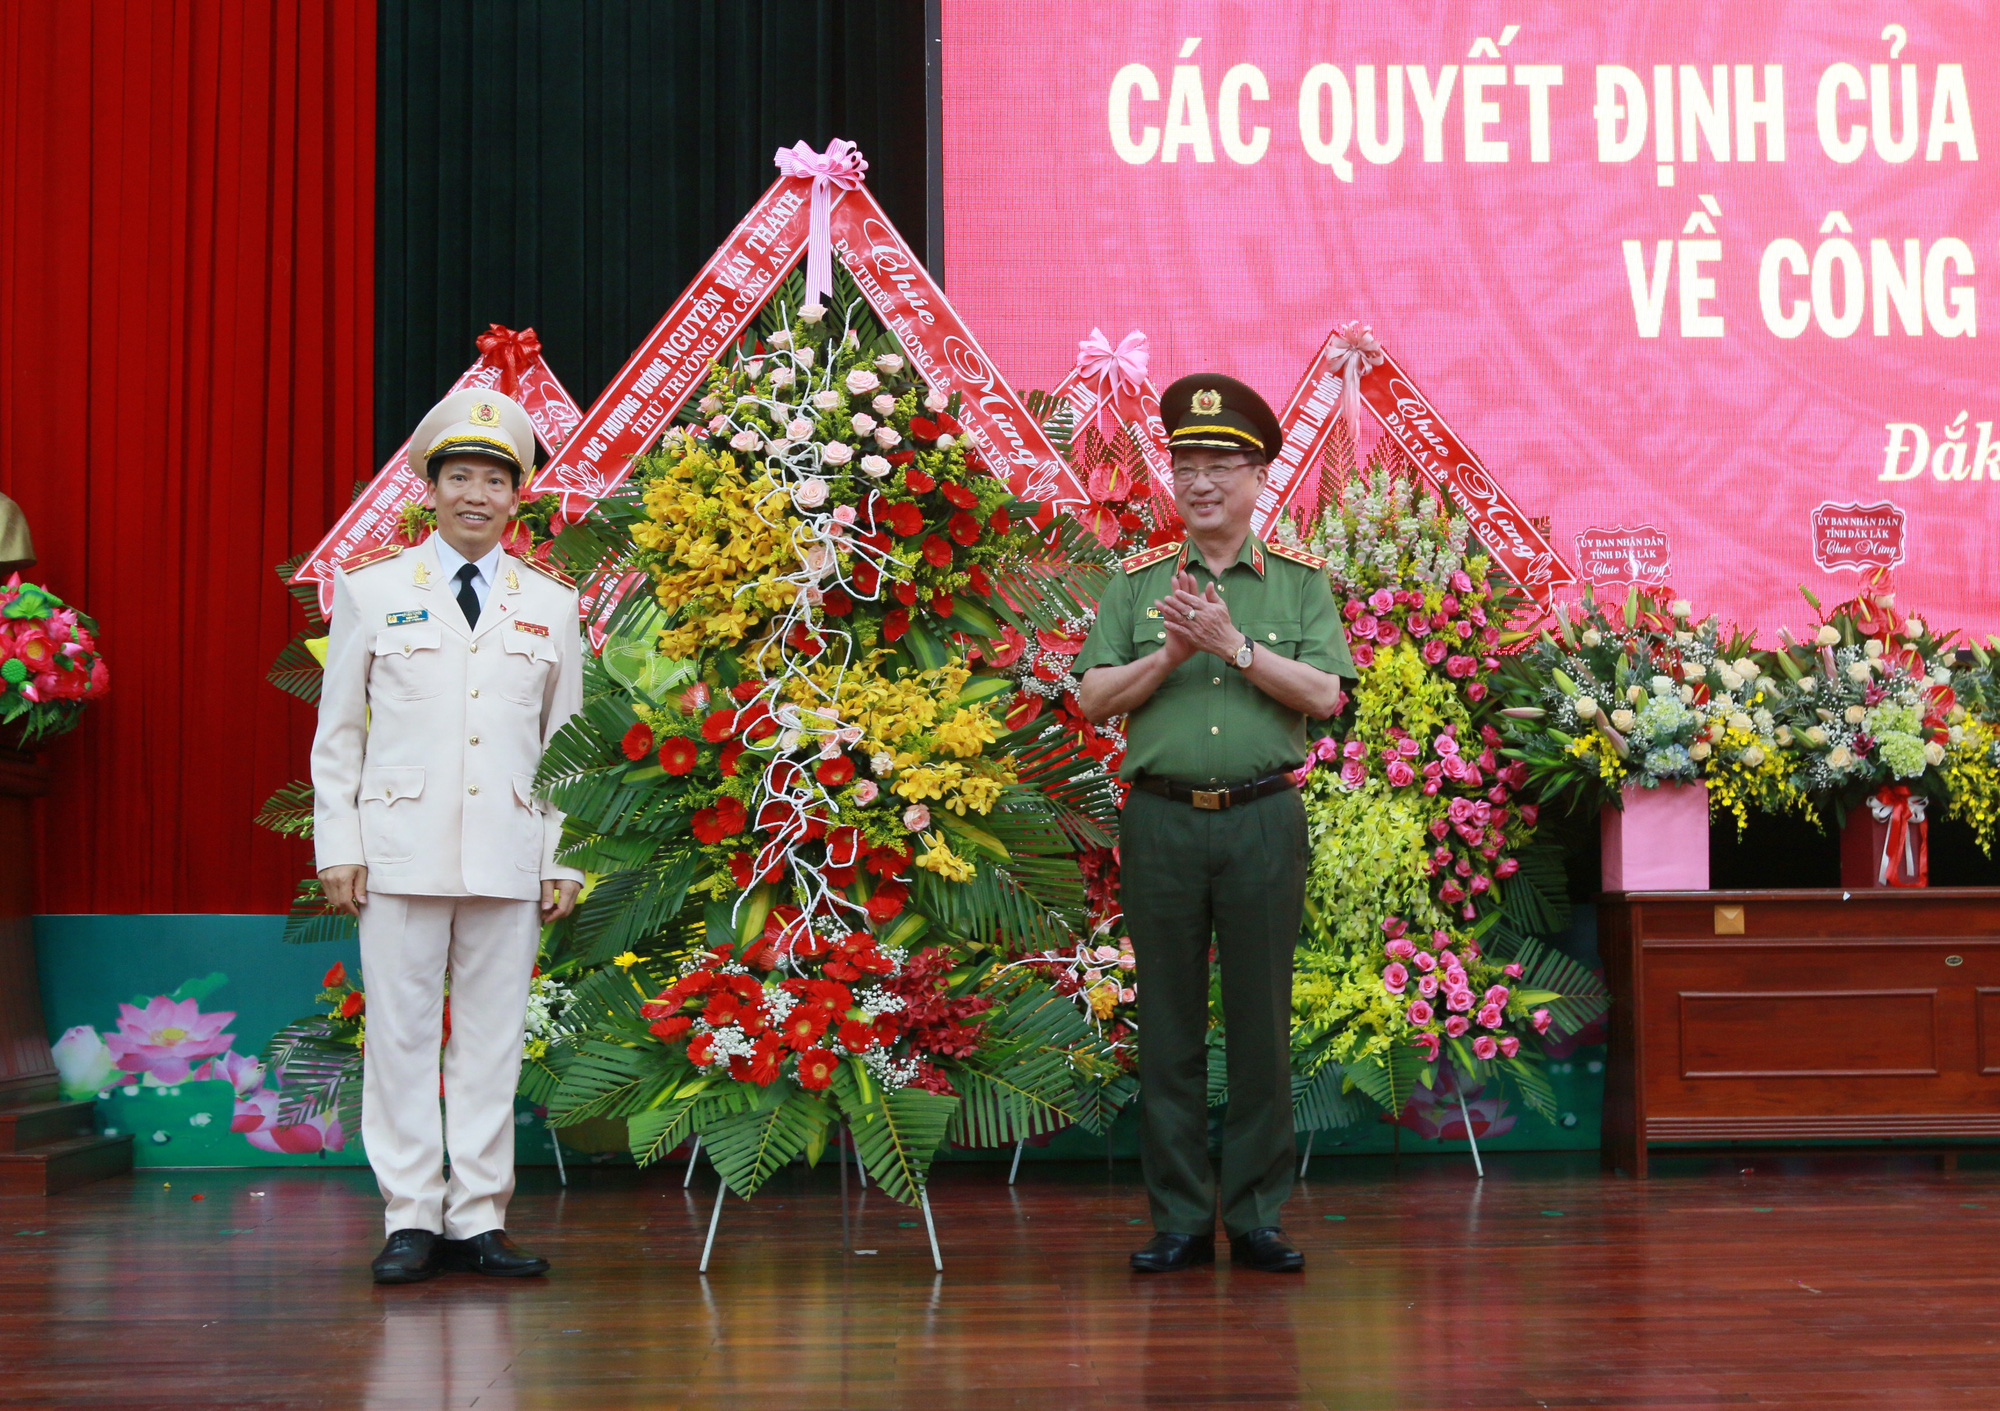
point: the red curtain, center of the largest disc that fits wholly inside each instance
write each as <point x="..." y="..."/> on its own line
<point x="186" y="300"/>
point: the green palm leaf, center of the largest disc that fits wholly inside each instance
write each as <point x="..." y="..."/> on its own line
<point x="318" y="1068"/>
<point x="289" y="811"/>
<point x="1321" y="1101"/>
<point x="310" y="920"/>
<point x="297" y="671"/>
<point x="748" y="1147"/>
<point x="895" y="1133"/>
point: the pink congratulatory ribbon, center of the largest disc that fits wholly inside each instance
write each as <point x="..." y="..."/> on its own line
<point x="841" y="165"/>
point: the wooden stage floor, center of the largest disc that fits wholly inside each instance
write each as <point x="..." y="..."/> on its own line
<point x="1826" y="1282"/>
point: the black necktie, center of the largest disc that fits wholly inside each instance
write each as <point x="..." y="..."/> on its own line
<point x="468" y="601"/>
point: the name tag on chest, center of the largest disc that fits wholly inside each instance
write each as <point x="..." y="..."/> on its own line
<point x="404" y="619"/>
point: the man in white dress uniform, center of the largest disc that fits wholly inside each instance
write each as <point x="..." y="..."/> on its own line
<point x="450" y="666"/>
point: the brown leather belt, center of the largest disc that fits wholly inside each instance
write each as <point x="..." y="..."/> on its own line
<point x="1214" y="798"/>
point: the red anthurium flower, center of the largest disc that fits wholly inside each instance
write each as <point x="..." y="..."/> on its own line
<point x="835" y="772"/>
<point x="336" y="977"/>
<point x="679" y="755"/>
<point x="718" y="727"/>
<point x="906" y="519"/>
<point x="942" y="605"/>
<point x="961" y="495"/>
<point x="353" y="1004"/>
<point x="1025" y="709"/>
<point x="672" y="1027"/>
<point x="731" y="752"/>
<point x="964" y="528"/>
<point x="816" y="1069"/>
<point x="937" y="552"/>
<point x="638" y="741"/>
<point x="999" y="521"/>
<point x="919" y="483"/>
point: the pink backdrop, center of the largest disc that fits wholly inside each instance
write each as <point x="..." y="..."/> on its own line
<point x="1506" y="286"/>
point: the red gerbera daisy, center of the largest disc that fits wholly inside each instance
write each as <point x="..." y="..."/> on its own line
<point x="816" y="1069"/>
<point x="672" y="1027"/>
<point x="835" y="772"/>
<point x="638" y="741"/>
<point x="999" y="521"/>
<point x="730" y="754"/>
<point x="937" y="552"/>
<point x="353" y="1004"/>
<point x="679" y="755"/>
<point x="906" y="519"/>
<point x="919" y="483"/>
<point x="887" y="903"/>
<point x="964" y="528"/>
<point x="836" y="603"/>
<point x="718" y="727"/>
<point x="895" y="622"/>
<point x="336" y="977"/>
<point x="942" y="605"/>
<point x="961" y="495"/>
<point x="857" y="1036"/>
<point x="866" y="576"/>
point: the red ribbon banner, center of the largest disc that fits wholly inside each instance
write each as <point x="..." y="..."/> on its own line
<point x="375" y="517"/>
<point x="1521" y="550"/>
<point x="736" y="282"/>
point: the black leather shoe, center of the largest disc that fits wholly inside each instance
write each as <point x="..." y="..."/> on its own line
<point x="1266" y="1249"/>
<point x="410" y="1257"/>
<point x="1165" y="1253"/>
<point x="492" y="1253"/>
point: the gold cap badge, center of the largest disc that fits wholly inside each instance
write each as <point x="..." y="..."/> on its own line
<point x="1207" y="401"/>
<point x="483" y="414"/>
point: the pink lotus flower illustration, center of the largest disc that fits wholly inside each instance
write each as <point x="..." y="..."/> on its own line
<point x="167" y="1037"/>
<point x="246" y="1075"/>
<point x="1435" y="1115"/>
<point x="319" y="1132"/>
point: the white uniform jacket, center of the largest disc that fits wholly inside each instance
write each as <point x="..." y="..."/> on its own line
<point x="430" y="732"/>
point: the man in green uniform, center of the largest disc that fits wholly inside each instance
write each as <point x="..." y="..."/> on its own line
<point x="1218" y="649"/>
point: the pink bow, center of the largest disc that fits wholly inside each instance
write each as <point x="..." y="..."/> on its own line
<point x="842" y="165"/>
<point x="1355" y="352"/>
<point x="1115" y="375"/>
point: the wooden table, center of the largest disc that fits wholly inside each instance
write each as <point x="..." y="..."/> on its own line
<point x="1787" y="1016"/>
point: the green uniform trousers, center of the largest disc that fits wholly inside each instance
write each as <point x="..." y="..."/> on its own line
<point x="1234" y="877"/>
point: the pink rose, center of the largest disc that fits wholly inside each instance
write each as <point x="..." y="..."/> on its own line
<point x="1354" y="749"/>
<point x="1464" y="630"/>
<point x="1400" y="774"/>
<point x="1363" y="654"/>
<point x="1353" y="774"/>
<point x="1434" y="651"/>
<point x="1395" y="978"/>
<point x="1480" y="886"/>
<point x="1459" y="1001"/>
<point x="1388" y="633"/>
<point x="1506" y="867"/>
<point x="866" y="792"/>
<point x="1458" y="668"/>
<point x="1483" y="1047"/>
<point x="1490" y="1016"/>
<point x="1444" y="746"/>
<point x="1529" y="813"/>
<point x="1382" y="600"/>
<point x="1461" y="581"/>
<point x="1394" y="926"/>
<point x="1476" y="691"/>
<point x="1512" y="971"/>
<point x="1456" y="1026"/>
<point x="1400" y="949"/>
<point x="1509" y="1046"/>
<point x="1419" y="1013"/>
<point x="1408" y="748"/>
<point x="1424" y="960"/>
<point x="1496" y="994"/>
<point x="1431" y="786"/>
<point x="1541" y="1019"/>
<point x="1427" y="986"/>
<point x="1459" y="810"/>
<point x="1419" y="624"/>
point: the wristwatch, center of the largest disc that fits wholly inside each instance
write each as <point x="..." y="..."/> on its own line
<point x="1244" y="655"/>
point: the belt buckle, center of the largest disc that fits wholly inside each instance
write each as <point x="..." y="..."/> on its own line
<point x="1209" y="798"/>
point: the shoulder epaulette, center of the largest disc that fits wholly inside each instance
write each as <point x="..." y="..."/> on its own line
<point x="549" y="572"/>
<point x="381" y="553"/>
<point x="1285" y="551"/>
<point x="1147" y="558"/>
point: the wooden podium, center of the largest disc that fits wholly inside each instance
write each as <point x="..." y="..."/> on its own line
<point x="1800" y="1016"/>
<point x="46" y="1144"/>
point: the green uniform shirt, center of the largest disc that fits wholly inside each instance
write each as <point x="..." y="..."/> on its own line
<point x="1207" y="725"/>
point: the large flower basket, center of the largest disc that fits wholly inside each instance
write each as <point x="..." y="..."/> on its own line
<point x="1885" y="841"/>
<point x="1657" y="842"/>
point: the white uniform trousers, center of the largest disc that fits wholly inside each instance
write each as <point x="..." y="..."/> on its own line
<point x="408" y="943"/>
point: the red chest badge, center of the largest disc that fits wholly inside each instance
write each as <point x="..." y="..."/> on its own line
<point x="534" y="629"/>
